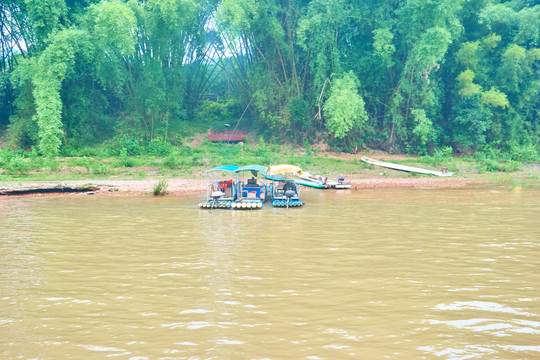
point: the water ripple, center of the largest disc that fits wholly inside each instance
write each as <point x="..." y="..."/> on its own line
<point x="482" y="306"/>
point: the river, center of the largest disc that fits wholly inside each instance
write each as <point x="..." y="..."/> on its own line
<point x="367" y="274"/>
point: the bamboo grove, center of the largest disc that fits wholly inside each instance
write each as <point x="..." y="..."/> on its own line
<point x="407" y="76"/>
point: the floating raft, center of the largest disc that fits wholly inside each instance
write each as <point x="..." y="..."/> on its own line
<point x="283" y="203"/>
<point x="215" y="204"/>
<point x="405" y="167"/>
<point x="247" y="205"/>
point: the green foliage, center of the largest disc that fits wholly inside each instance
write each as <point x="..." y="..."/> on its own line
<point x="494" y="98"/>
<point x="51" y="164"/>
<point x="84" y="162"/>
<point x="16" y="166"/>
<point x="473" y="122"/>
<point x="468" y="57"/>
<point x="160" y="188"/>
<point x="126" y="160"/>
<point x="100" y="169"/>
<point x="423" y="131"/>
<point x="431" y="48"/>
<point x="383" y="47"/>
<point x="45" y="15"/>
<point x="217" y="112"/>
<point x="491" y="165"/>
<point x="466" y="85"/>
<point x="237" y="15"/>
<point x="129" y="145"/>
<point x="298" y="112"/>
<point x="130" y="75"/>
<point x="526" y="153"/>
<point x="440" y="156"/>
<point x="112" y="25"/>
<point x="491" y="158"/>
<point x="158" y="147"/>
<point x="171" y="161"/>
<point x="344" y="108"/>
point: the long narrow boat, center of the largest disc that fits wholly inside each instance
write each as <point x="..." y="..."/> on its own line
<point x="311" y="183"/>
<point x="405" y="167"/>
<point x="319" y="182"/>
<point x="297" y="172"/>
<point x="306" y="179"/>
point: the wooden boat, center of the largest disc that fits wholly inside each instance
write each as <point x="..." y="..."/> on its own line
<point x="406" y="168"/>
<point x="283" y="190"/>
<point x="221" y="191"/>
<point x="251" y="192"/>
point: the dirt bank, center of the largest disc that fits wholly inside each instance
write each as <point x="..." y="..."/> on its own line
<point x="179" y="187"/>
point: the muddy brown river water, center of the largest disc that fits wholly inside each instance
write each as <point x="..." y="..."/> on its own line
<point x="367" y="274"/>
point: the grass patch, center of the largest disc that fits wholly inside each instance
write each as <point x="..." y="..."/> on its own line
<point x="160" y="188"/>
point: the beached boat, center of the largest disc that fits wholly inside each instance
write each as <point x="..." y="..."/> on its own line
<point x="317" y="181"/>
<point x="306" y="179"/>
<point x="340" y="183"/>
<point x="251" y="192"/>
<point x="283" y="190"/>
<point x="406" y="168"/>
<point x="221" y="190"/>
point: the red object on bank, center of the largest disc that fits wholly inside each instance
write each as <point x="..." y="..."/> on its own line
<point x="227" y="135"/>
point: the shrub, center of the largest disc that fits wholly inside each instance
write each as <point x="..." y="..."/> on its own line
<point x="439" y="156"/>
<point x="101" y="169"/>
<point x="51" y="164"/>
<point x="84" y="162"/>
<point x="130" y="144"/>
<point x="158" y="147"/>
<point x="126" y="160"/>
<point x="494" y="165"/>
<point x="5" y="157"/>
<point x="527" y="153"/>
<point x="17" y="165"/>
<point x="160" y="188"/>
<point x="171" y="161"/>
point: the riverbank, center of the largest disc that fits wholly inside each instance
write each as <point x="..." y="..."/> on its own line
<point x="113" y="177"/>
<point x="181" y="187"/>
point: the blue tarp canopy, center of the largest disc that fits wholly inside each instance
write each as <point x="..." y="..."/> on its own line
<point x="252" y="168"/>
<point x="229" y="168"/>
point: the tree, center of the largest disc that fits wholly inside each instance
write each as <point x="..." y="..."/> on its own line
<point x="434" y="72"/>
<point x="344" y="109"/>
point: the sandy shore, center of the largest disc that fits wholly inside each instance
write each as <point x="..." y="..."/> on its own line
<point x="179" y="187"/>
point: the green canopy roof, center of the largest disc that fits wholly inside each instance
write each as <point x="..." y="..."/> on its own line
<point x="229" y="168"/>
<point x="252" y="168"/>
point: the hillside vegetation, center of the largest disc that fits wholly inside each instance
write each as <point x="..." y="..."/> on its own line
<point x="416" y="76"/>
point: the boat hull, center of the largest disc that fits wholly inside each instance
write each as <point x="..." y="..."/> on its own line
<point x="405" y="168"/>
